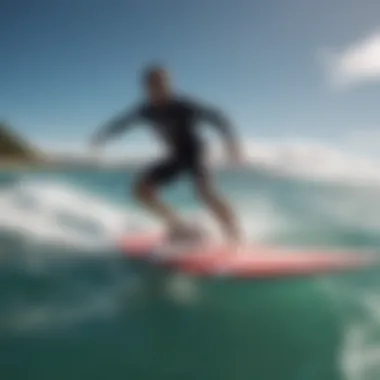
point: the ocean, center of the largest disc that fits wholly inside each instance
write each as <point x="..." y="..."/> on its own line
<point x="71" y="307"/>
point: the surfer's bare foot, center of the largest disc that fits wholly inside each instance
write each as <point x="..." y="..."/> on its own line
<point x="186" y="234"/>
<point x="233" y="235"/>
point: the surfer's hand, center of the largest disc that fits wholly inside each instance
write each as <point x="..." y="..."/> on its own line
<point x="95" y="145"/>
<point x="234" y="154"/>
<point x="97" y="140"/>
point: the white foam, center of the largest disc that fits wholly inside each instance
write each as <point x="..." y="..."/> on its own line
<point x="57" y="213"/>
<point x="260" y="217"/>
<point x="315" y="161"/>
<point x="360" y="358"/>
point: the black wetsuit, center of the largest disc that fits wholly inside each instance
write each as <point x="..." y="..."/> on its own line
<point x="176" y="122"/>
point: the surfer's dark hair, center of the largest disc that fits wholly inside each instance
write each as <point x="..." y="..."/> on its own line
<point x="150" y="72"/>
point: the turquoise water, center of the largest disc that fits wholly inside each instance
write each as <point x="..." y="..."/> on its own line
<point x="69" y="309"/>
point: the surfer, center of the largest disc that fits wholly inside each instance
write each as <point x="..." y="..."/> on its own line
<point x="175" y="119"/>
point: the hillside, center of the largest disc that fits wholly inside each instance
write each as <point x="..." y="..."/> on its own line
<point x="13" y="148"/>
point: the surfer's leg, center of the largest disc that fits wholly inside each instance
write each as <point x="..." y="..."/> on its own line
<point x="195" y="165"/>
<point x="218" y="206"/>
<point x="146" y="187"/>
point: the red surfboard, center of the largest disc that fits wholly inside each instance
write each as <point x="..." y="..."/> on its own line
<point x="247" y="261"/>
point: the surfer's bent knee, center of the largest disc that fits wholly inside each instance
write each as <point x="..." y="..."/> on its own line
<point x="205" y="189"/>
<point x="143" y="190"/>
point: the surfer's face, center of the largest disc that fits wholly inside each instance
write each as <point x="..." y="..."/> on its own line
<point x="158" y="85"/>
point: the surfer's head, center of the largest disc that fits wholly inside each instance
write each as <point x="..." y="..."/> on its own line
<point x="156" y="80"/>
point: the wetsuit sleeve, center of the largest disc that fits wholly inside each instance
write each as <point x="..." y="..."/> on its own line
<point x="216" y="118"/>
<point x="119" y="124"/>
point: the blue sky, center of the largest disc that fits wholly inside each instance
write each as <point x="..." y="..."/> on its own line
<point x="279" y="68"/>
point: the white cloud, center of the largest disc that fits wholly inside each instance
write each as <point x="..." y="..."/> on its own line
<point x="358" y="62"/>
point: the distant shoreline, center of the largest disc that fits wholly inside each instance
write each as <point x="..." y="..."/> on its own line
<point x="53" y="164"/>
<point x="84" y="164"/>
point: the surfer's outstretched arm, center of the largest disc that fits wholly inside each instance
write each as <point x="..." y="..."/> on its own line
<point x="216" y="118"/>
<point x="117" y="125"/>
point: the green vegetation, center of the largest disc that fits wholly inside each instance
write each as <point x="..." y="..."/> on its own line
<point x="13" y="148"/>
